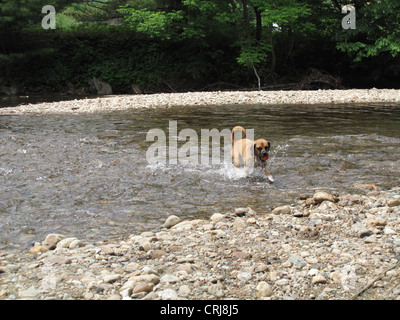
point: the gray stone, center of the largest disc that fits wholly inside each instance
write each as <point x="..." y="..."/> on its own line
<point x="244" y="276"/>
<point x="51" y="241"/>
<point x="282" y="282"/>
<point x="56" y="259"/>
<point x="239" y="223"/>
<point x="321" y="196"/>
<point x="217" y="290"/>
<point x="171" y="221"/>
<point x="184" y="290"/>
<point x="143" y="287"/>
<point x="360" y="230"/>
<point x="216" y="217"/>
<point x="64" y="243"/>
<point x="111" y="278"/>
<point x="241" y="211"/>
<point x="169" y="278"/>
<point x="318" y="279"/>
<point x="263" y="290"/>
<point x="282" y="210"/>
<point x="168" y="294"/>
<point x="29" y="293"/>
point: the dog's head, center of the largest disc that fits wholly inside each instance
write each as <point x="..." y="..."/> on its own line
<point x="261" y="149"/>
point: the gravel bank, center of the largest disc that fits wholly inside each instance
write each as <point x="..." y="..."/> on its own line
<point x="323" y="246"/>
<point x="109" y="103"/>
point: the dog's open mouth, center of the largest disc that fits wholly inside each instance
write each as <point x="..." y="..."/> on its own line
<point x="264" y="158"/>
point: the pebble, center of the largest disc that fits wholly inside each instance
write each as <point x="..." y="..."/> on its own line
<point x="169" y="278"/>
<point x="318" y="279"/>
<point x="171" y="221"/>
<point x="111" y="278"/>
<point x="216" y="217"/>
<point x="321" y="196"/>
<point x="239" y="223"/>
<point x="282" y="210"/>
<point x="29" y="293"/>
<point x="282" y="282"/>
<point x="217" y="290"/>
<point x="51" y="241"/>
<point x="168" y="294"/>
<point x="263" y="289"/>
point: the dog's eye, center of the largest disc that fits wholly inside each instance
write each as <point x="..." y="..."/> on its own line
<point x="259" y="148"/>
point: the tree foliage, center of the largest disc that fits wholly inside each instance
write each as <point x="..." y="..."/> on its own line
<point x="275" y="38"/>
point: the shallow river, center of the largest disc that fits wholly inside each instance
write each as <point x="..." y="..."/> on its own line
<point x="86" y="175"/>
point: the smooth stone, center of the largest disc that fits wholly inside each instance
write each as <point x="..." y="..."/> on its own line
<point x="143" y="287"/>
<point x="239" y="223"/>
<point x="171" y="221"/>
<point x="29" y="293"/>
<point x="157" y="254"/>
<point x="318" y="279"/>
<point x="282" y="210"/>
<point x="76" y="244"/>
<point x="64" y="243"/>
<point x="55" y="259"/>
<point x="282" y="282"/>
<point x="241" y="211"/>
<point x="111" y="278"/>
<point x="321" y="196"/>
<point x="51" y="240"/>
<point x="169" y="278"/>
<point x="216" y="217"/>
<point x="217" y="290"/>
<point x="38" y="248"/>
<point x="394" y="203"/>
<point x="184" y="290"/>
<point x="244" y="276"/>
<point x="168" y="294"/>
<point x="263" y="290"/>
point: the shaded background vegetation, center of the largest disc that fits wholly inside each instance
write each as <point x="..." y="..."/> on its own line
<point x="180" y="45"/>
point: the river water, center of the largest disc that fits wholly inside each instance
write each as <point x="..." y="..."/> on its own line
<point x="86" y="175"/>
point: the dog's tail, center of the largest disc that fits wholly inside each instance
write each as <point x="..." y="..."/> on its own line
<point x="238" y="128"/>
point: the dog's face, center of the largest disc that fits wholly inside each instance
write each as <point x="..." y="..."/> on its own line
<point x="261" y="149"/>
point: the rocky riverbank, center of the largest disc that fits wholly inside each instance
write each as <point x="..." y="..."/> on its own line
<point x="323" y="246"/>
<point x="164" y="100"/>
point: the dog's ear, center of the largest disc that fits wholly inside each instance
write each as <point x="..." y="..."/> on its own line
<point x="269" y="145"/>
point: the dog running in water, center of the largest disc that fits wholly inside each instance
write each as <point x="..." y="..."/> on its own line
<point x="250" y="153"/>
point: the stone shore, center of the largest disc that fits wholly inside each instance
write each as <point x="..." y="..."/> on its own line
<point x="164" y="100"/>
<point x="322" y="246"/>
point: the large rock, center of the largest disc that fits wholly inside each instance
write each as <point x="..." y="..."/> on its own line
<point x="282" y="210"/>
<point x="171" y="221"/>
<point x="51" y="241"/>
<point x="99" y="86"/>
<point x="322" y="196"/>
<point x="394" y="203"/>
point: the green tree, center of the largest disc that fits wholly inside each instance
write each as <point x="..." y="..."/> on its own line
<point x="377" y="30"/>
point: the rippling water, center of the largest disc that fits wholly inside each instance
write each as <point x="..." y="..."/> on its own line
<point x="86" y="175"/>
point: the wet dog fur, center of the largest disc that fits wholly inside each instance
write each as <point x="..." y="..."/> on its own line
<point x="250" y="153"/>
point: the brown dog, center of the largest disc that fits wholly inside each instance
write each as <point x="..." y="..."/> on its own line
<point x="250" y="153"/>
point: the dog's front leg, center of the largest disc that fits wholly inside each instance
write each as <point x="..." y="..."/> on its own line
<point x="269" y="175"/>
